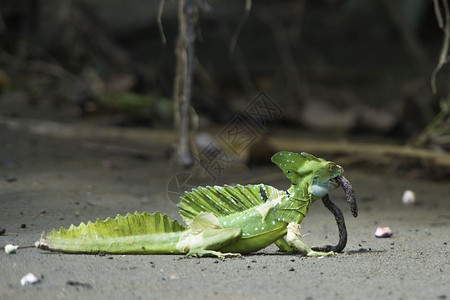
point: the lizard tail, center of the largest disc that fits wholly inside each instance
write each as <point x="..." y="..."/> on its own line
<point x="138" y="233"/>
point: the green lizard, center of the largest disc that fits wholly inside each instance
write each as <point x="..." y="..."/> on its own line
<point x="221" y="221"/>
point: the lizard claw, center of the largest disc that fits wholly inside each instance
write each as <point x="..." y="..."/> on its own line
<point x="192" y="255"/>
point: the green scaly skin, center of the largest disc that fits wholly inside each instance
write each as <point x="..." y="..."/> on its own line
<point x="222" y="221"/>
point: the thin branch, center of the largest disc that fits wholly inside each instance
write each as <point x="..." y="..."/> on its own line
<point x="239" y="63"/>
<point x="445" y="46"/>
<point x="288" y="63"/>
<point x="180" y="63"/>
<point x="185" y="53"/>
<point x="406" y="34"/>
<point x="438" y="14"/>
<point x="233" y="43"/>
<point x="2" y="24"/>
<point x="159" y="22"/>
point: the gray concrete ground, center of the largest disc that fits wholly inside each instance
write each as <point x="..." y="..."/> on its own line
<point x="47" y="183"/>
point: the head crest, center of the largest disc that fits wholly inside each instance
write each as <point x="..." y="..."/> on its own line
<point x="291" y="163"/>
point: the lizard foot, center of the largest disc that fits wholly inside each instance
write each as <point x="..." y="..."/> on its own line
<point x="202" y="252"/>
<point x="229" y="254"/>
<point x="313" y="253"/>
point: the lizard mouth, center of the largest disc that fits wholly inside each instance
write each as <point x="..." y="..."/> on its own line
<point x="349" y="193"/>
<point x="333" y="182"/>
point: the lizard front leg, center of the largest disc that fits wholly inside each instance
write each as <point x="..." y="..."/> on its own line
<point x="293" y="238"/>
<point x="284" y="246"/>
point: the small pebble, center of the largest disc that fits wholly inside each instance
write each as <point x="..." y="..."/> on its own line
<point x="79" y="284"/>
<point x="10" y="249"/>
<point x="172" y="277"/>
<point x="108" y="165"/>
<point x="10" y="163"/>
<point x="30" y="278"/>
<point x="409" y="197"/>
<point x="11" y="179"/>
<point x="383" y="232"/>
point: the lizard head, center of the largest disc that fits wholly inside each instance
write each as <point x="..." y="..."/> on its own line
<point x="304" y="169"/>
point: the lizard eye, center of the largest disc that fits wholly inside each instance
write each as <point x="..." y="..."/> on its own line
<point x="331" y="168"/>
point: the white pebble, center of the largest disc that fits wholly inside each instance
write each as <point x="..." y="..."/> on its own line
<point x="30" y="278"/>
<point x="383" y="232"/>
<point x="409" y="197"/>
<point x="10" y="249"/>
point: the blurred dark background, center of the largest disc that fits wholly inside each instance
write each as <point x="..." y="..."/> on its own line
<point x="336" y="67"/>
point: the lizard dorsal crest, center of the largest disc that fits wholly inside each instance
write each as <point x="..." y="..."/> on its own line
<point x="223" y="200"/>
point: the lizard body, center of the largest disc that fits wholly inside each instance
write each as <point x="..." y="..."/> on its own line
<point x="221" y="221"/>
